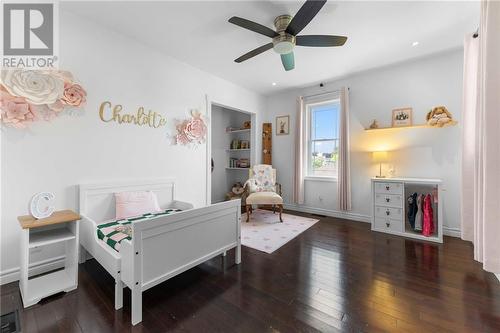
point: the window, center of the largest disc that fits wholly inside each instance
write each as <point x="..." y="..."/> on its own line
<point x="323" y="138"/>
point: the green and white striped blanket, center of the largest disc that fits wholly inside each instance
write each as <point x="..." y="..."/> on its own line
<point x="113" y="232"/>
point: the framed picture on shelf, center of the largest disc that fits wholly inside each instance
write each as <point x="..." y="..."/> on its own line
<point x="402" y="117"/>
<point x="245" y="144"/>
<point x="282" y="125"/>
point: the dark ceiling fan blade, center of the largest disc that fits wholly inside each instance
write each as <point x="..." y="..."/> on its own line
<point x="255" y="27"/>
<point x="288" y="61"/>
<point x="255" y="52"/>
<point x="305" y="14"/>
<point x="320" y="40"/>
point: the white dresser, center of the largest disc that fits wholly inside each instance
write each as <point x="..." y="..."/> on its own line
<point x="389" y="202"/>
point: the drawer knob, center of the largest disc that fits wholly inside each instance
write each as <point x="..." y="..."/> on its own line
<point x="388" y="224"/>
<point x="387" y="199"/>
<point x="387" y="212"/>
<point x="387" y="188"/>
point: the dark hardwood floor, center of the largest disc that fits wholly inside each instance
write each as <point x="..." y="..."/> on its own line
<point x="336" y="276"/>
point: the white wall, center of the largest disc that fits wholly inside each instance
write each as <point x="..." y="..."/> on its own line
<point x="419" y="152"/>
<point x="70" y="150"/>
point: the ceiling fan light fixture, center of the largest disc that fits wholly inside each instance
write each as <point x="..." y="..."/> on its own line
<point x="284" y="43"/>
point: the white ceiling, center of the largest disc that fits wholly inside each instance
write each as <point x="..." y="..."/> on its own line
<point x="198" y="33"/>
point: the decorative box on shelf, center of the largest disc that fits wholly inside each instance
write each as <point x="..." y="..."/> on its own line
<point x="391" y="206"/>
<point x="60" y="227"/>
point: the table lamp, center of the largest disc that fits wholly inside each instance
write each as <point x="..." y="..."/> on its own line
<point x="380" y="157"/>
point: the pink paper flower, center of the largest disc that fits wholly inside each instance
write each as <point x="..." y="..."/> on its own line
<point x="181" y="136"/>
<point x="193" y="130"/>
<point x="15" y="111"/>
<point x="44" y="112"/>
<point x="196" y="130"/>
<point x="73" y="95"/>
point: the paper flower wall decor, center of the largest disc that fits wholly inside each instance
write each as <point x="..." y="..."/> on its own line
<point x="191" y="131"/>
<point x="34" y="95"/>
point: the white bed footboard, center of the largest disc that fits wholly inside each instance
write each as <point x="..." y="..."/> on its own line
<point x="169" y="245"/>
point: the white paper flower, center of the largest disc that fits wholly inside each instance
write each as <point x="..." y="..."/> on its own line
<point x="38" y="87"/>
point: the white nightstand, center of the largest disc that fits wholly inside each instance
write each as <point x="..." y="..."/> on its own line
<point x="61" y="226"/>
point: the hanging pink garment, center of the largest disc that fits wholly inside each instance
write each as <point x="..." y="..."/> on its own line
<point x="428" y="217"/>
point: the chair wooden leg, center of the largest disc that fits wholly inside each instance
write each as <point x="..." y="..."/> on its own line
<point x="274" y="209"/>
<point x="281" y="211"/>
<point x="248" y="212"/>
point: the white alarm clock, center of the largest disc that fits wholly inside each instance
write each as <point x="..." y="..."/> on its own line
<point x="40" y="205"/>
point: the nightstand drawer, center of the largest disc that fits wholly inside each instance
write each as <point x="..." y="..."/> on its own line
<point x="389" y="200"/>
<point x="389" y="212"/>
<point x="388" y="188"/>
<point x="388" y="224"/>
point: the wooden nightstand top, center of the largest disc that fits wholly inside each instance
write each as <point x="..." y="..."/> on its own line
<point x="61" y="216"/>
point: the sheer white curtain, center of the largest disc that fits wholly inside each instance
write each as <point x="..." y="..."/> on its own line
<point x="344" y="161"/>
<point x="298" y="188"/>
<point x="480" y="200"/>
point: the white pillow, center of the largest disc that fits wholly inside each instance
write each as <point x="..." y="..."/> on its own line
<point x="135" y="203"/>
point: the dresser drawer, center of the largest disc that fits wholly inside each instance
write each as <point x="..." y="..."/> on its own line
<point x="388" y="224"/>
<point x="389" y="188"/>
<point x="389" y="212"/>
<point x="389" y="200"/>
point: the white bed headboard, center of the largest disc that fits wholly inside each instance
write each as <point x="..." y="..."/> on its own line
<point x="97" y="201"/>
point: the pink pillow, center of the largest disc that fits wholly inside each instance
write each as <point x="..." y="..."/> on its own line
<point x="135" y="203"/>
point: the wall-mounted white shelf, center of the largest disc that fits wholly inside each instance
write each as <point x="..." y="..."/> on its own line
<point x="229" y="168"/>
<point x="237" y="149"/>
<point x="239" y="130"/>
<point x="408" y="127"/>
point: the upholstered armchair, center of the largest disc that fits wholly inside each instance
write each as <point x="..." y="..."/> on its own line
<point x="262" y="189"/>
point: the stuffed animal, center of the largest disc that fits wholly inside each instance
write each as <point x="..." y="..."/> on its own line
<point x="236" y="191"/>
<point x="440" y="117"/>
<point x="237" y="188"/>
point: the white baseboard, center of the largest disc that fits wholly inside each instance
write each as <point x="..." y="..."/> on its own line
<point x="39" y="267"/>
<point x="328" y="212"/>
<point x="453" y="232"/>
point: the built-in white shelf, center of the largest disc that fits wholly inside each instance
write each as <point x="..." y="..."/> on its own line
<point x="229" y="168"/>
<point x="239" y="130"/>
<point x="237" y="149"/>
<point x="51" y="236"/>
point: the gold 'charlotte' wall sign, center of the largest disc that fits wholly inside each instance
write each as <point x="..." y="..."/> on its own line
<point x="108" y="113"/>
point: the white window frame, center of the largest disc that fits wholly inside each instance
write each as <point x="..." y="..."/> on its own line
<point x="308" y="141"/>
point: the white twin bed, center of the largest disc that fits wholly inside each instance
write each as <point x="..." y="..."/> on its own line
<point x="161" y="247"/>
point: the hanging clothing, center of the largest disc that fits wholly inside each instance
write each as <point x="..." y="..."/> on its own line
<point x="412" y="209"/>
<point x="428" y="229"/>
<point x="418" y="216"/>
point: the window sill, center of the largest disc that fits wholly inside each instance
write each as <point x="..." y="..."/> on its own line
<point x="321" y="179"/>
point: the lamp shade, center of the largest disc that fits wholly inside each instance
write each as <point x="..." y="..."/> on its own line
<point x="379" y="156"/>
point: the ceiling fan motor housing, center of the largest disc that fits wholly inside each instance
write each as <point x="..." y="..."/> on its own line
<point x="284" y="43"/>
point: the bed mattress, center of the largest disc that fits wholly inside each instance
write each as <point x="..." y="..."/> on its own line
<point x="114" y="232"/>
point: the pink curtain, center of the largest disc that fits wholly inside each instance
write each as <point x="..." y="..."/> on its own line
<point x="344" y="168"/>
<point x="298" y="188"/>
<point x="481" y="140"/>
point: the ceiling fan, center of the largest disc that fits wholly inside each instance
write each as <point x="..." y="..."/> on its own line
<point x="285" y="37"/>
